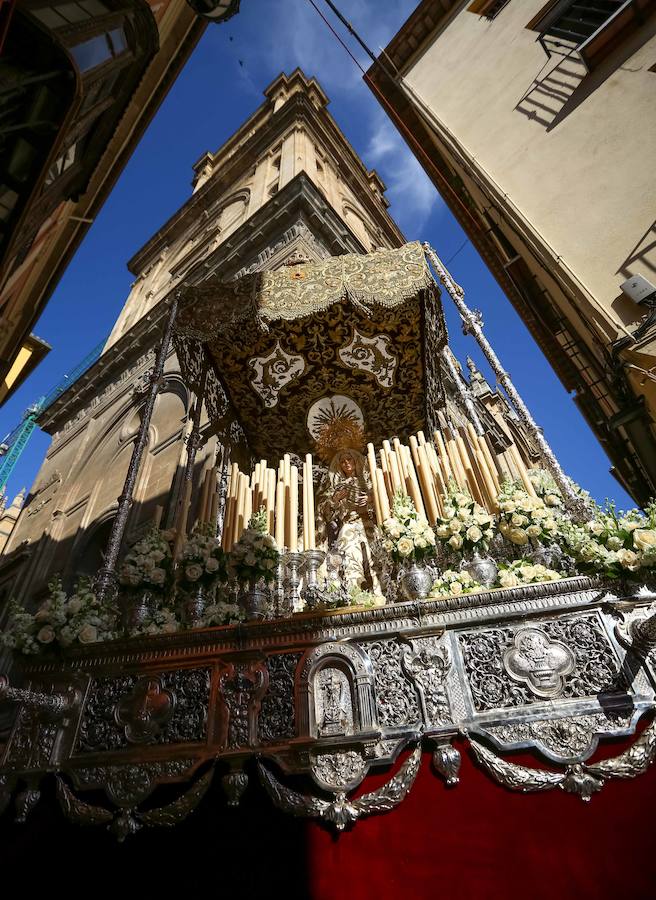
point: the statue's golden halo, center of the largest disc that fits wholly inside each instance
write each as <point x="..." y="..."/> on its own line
<point x="340" y="433"/>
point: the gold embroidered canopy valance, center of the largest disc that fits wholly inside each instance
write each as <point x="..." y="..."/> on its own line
<point x="368" y="327"/>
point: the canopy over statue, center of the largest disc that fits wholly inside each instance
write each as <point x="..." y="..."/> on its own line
<point x="369" y="327"/>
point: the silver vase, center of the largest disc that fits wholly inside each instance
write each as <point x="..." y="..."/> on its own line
<point x="195" y="605"/>
<point x="481" y="568"/>
<point x="255" y="601"/>
<point x="139" y="608"/>
<point x="416" y="582"/>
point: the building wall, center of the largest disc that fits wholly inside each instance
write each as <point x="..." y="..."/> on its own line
<point x="548" y="167"/>
<point x="573" y="151"/>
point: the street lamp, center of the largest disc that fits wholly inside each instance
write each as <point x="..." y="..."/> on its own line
<point x="215" y="10"/>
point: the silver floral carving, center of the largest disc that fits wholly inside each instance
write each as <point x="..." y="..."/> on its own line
<point x="371" y="355"/>
<point x="277" y="718"/>
<point x="127" y="820"/>
<point x="396" y="696"/>
<point x="274" y="372"/>
<point x="577" y="778"/>
<point x="569" y="737"/>
<point x="241" y="687"/>
<point x="145" y="710"/>
<point x="100" y="729"/>
<point x="428" y="664"/>
<point x="339" y="771"/>
<point x="341" y="811"/>
<point x="538" y="662"/>
<point x="596" y="669"/>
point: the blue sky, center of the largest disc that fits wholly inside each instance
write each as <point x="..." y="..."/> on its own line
<point x="219" y="88"/>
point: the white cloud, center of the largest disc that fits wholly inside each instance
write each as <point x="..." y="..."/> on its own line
<point x="412" y="195"/>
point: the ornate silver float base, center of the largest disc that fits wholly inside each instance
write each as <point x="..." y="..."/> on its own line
<point x="334" y="695"/>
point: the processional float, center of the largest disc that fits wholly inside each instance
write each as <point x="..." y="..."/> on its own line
<point x="395" y="577"/>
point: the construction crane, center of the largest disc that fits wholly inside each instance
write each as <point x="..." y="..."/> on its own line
<point x="16" y="441"/>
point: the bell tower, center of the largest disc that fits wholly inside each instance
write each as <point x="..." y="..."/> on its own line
<point x="287" y="180"/>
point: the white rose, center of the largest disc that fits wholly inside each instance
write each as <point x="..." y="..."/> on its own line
<point x="596" y="527"/>
<point x="455" y="587"/>
<point x="552" y="500"/>
<point x="42" y="615"/>
<point x="429" y="536"/>
<point x="442" y="531"/>
<point x="518" y="536"/>
<point x="88" y="634"/>
<point x="388" y="546"/>
<point x="455" y="541"/>
<point x="455" y="526"/>
<point x="462" y="500"/>
<point x="158" y="575"/>
<point x="517" y="520"/>
<point x="193" y="572"/>
<point x="212" y="565"/>
<point x="392" y="527"/>
<point x="250" y="559"/>
<point x="420" y="542"/>
<point x="614" y="543"/>
<point x="405" y="546"/>
<point x="533" y="531"/>
<point x="508" y="579"/>
<point x="643" y="538"/>
<point x="463" y="514"/>
<point x="627" y="559"/>
<point x="46" y="635"/>
<point x="474" y="533"/>
<point x="74" y="605"/>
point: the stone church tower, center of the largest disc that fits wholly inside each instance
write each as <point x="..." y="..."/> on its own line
<point x="288" y="182"/>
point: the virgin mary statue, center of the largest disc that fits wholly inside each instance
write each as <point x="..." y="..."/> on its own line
<point x="345" y="508"/>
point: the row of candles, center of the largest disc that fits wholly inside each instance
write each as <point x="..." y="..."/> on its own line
<point x="424" y="469"/>
<point x="276" y="491"/>
<point x="421" y="469"/>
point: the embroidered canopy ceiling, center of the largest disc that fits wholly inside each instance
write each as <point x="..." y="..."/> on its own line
<point x="368" y="327"/>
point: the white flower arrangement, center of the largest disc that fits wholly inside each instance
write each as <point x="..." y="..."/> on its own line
<point x="546" y="488"/>
<point x="452" y="584"/>
<point x="222" y="613"/>
<point x="61" y="620"/>
<point x="203" y="559"/>
<point x="521" y="571"/>
<point x="337" y="596"/>
<point x="465" y="526"/>
<point x="255" y="555"/>
<point x="614" y="544"/>
<point x="524" y="519"/>
<point x="148" y="563"/>
<point x="160" y="620"/>
<point x="407" y="536"/>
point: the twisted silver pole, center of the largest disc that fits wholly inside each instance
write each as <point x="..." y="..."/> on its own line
<point x="463" y="390"/>
<point x="472" y="324"/>
<point x="106" y="580"/>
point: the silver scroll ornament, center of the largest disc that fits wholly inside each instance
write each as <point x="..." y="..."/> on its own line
<point x="341" y="811"/>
